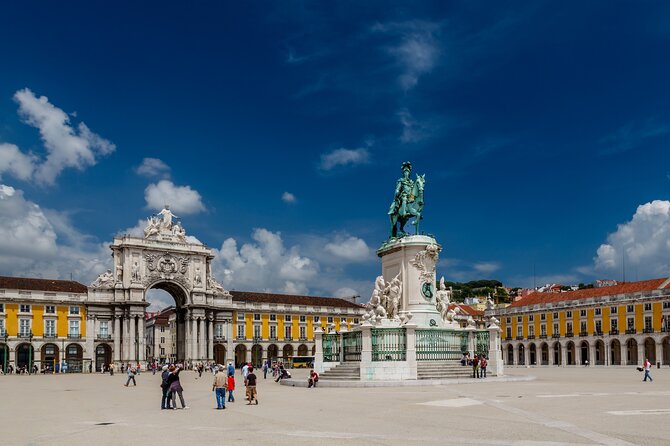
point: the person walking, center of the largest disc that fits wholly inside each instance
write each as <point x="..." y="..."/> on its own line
<point x="265" y="370"/>
<point x="111" y="369"/>
<point x="482" y="365"/>
<point x="165" y="386"/>
<point x="245" y="370"/>
<point x="219" y="388"/>
<point x="647" y="370"/>
<point x="176" y="388"/>
<point x="131" y="376"/>
<point x="475" y="366"/>
<point x="231" y="387"/>
<point x="250" y="382"/>
<point x="231" y="368"/>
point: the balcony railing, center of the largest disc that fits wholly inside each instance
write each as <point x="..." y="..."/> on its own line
<point x="303" y="338"/>
<point x="49" y="336"/>
<point x="25" y="335"/>
<point x="543" y="336"/>
<point x="219" y="339"/>
<point x="273" y="338"/>
<point x="508" y="338"/>
<point x="648" y="330"/>
<point x="519" y="338"/>
<point x="104" y="337"/>
<point x="531" y="336"/>
<point x="569" y="334"/>
<point x="631" y="331"/>
<point x="288" y="338"/>
<point x="555" y="336"/>
<point x="614" y="332"/>
<point x="74" y="335"/>
<point x="583" y="333"/>
<point x="241" y="338"/>
<point x="257" y="339"/>
<point x="598" y="333"/>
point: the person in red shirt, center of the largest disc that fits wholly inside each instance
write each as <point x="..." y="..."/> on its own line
<point x="231" y="387"/>
<point x="313" y="379"/>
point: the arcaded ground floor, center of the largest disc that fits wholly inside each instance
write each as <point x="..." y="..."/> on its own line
<point x="563" y="406"/>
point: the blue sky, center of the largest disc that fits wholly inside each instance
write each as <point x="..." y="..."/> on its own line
<point x="277" y="129"/>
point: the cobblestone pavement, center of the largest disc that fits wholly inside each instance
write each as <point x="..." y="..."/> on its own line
<point x="562" y="407"/>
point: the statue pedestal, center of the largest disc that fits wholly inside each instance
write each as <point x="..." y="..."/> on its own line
<point x="415" y="257"/>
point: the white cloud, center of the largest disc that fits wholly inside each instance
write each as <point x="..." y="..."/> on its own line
<point x="159" y="299"/>
<point x="66" y="146"/>
<point x="412" y="130"/>
<point x="352" y="249"/>
<point x="415" y="49"/>
<point x="13" y="161"/>
<point x="288" y="197"/>
<point x="644" y="240"/>
<point x="346" y="292"/>
<point x="265" y="264"/>
<point x="36" y="242"/>
<point x="153" y="167"/>
<point x="182" y="199"/>
<point x="486" y="267"/>
<point x="344" y="157"/>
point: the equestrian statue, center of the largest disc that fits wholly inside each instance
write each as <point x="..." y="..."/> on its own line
<point x="407" y="202"/>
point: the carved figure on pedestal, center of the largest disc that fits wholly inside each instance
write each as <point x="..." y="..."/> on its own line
<point x="167" y="215"/>
<point x="216" y="287"/>
<point x="451" y="314"/>
<point x="119" y="272"/>
<point x="179" y="231"/>
<point x="152" y="228"/>
<point x="490" y="305"/>
<point x="104" y="280"/>
<point x="375" y="308"/>
<point x="197" y="280"/>
<point x="135" y="273"/>
<point x="394" y="291"/>
<point x="471" y="322"/>
<point x="443" y="299"/>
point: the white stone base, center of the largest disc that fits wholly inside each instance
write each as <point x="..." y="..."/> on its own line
<point x="388" y="370"/>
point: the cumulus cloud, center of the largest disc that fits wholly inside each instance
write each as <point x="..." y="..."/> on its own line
<point x="264" y="264"/>
<point x="415" y="48"/>
<point x="13" y="161"/>
<point x="344" y="157"/>
<point x="288" y="197"/>
<point x="66" y="146"/>
<point x="153" y="167"/>
<point x="644" y="241"/>
<point x="486" y="267"/>
<point x="36" y="242"/>
<point x="182" y="199"/>
<point x="352" y="249"/>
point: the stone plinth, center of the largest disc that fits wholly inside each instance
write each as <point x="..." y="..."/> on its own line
<point x="414" y="257"/>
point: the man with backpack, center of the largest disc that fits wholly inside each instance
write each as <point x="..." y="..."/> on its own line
<point x="131" y="376"/>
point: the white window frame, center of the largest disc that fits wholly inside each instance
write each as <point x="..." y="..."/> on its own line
<point x="240" y="317"/>
<point x="273" y="332"/>
<point x="288" y="331"/>
<point x="241" y="331"/>
<point x="77" y="331"/>
<point x="22" y="307"/>
<point x="47" y="323"/>
<point x="288" y="318"/>
<point x="24" y="322"/>
<point x="303" y="332"/>
<point x="74" y="310"/>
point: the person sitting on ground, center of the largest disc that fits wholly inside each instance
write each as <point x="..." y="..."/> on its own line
<point x="313" y="379"/>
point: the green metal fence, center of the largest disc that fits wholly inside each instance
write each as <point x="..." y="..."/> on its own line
<point x="353" y="344"/>
<point x="331" y="348"/>
<point x="389" y="344"/>
<point x="437" y="344"/>
<point x="482" y="343"/>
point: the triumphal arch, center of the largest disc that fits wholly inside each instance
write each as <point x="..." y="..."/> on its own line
<point x="164" y="258"/>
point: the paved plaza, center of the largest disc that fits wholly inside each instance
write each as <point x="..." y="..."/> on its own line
<point x="560" y="407"/>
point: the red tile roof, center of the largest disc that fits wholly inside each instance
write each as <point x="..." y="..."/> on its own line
<point x="622" y="288"/>
<point x="467" y="309"/>
<point x="50" y="285"/>
<point x="250" y="296"/>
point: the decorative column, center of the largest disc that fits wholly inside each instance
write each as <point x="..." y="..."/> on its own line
<point x="495" y="362"/>
<point x="608" y="359"/>
<point x="367" y="372"/>
<point x="202" y="339"/>
<point x="526" y="355"/>
<point x="564" y="354"/>
<point x="210" y="333"/>
<point x="187" y="337"/>
<point x="640" y="352"/>
<point x="471" y="340"/>
<point x="230" y="348"/>
<point x="125" y="357"/>
<point x="515" y="355"/>
<point x="142" y="341"/>
<point x="117" y="338"/>
<point x="659" y="352"/>
<point x="131" y="338"/>
<point x="90" y="340"/>
<point x="318" y="351"/>
<point x="592" y="354"/>
<point x="410" y="355"/>
<point x="194" y="338"/>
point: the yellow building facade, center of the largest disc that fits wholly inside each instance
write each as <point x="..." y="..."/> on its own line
<point x="616" y="325"/>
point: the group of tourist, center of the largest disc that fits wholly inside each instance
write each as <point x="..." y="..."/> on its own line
<point x="478" y="364"/>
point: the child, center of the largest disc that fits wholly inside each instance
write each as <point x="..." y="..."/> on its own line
<point x="231" y="387"/>
<point x="250" y="382"/>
